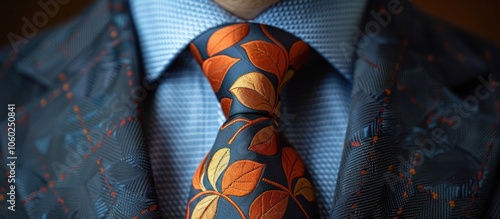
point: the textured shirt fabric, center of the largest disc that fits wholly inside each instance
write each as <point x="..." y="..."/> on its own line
<point x="403" y="124"/>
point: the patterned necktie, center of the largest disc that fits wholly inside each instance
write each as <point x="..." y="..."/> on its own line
<point x="251" y="171"/>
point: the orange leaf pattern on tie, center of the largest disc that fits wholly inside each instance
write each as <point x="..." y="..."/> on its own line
<point x="254" y="90"/>
<point x="196" y="53"/>
<point x="219" y="162"/>
<point x="265" y="141"/>
<point x="198" y="175"/>
<point x="241" y="178"/>
<point x="304" y="188"/>
<point x="266" y="56"/>
<point x="216" y="67"/>
<point x="206" y="208"/>
<point x="225" y="104"/>
<point x="269" y="205"/>
<point x="226" y="37"/>
<point x="293" y="166"/>
<point x="251" y="169"/>
<point x="298" y="54"/>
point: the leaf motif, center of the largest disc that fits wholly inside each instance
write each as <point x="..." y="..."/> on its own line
<point x="218" y="164"/>
<point x="265" y="141"/>
<point x="298" y="54"/>
<point x="225" y="104"/>
<point x="304" y="187"/>
<point x="201" y="182"/>
<point x="269" y="205"/>
<point x="288" y="75"/>
<point x="293" y="166"/>
<point x="196" y="53"/>
<point x="226" y="37"/>
<point x="197" y="180"/>
<point x="266" y="56"/>
<point x="206" y="208"/>
<point x="241" y="177"/>
<point x="277" y="112"/>
<point x="255" y="91"/>
<point x="215" y="68"/>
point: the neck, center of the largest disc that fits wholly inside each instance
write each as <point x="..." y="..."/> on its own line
<point x="245" y="9"/>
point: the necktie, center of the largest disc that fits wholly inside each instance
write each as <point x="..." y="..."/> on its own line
<point x="251" y="171"/>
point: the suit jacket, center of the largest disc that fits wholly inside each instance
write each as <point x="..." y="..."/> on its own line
<point x="422" y="139"/>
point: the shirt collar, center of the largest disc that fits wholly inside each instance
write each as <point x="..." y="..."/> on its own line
<point x="165" y="28"/>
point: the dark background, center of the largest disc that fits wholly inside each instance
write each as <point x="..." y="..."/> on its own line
<point x="480" y="17"/>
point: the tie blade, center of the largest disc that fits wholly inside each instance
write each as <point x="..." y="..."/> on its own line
<point x="251" y="171"/>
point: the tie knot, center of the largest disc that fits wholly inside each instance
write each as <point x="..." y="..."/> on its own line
<point x="248" y="64"/>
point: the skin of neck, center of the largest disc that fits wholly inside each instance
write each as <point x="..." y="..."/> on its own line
<point x="245" y="9"/>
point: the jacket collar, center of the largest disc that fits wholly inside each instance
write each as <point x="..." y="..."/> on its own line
<point x="165" y="28"/>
